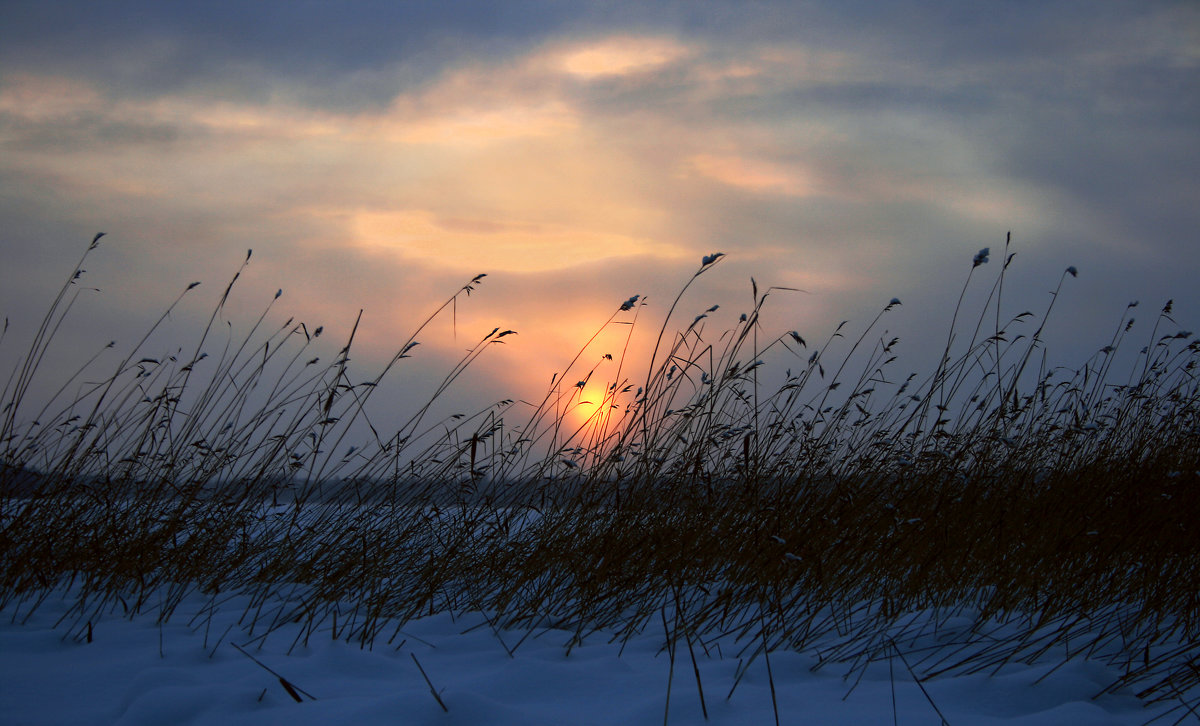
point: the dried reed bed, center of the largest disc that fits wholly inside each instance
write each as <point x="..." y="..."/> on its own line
<point x="993" y="511"/>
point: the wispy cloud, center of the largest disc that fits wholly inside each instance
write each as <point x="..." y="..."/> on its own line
<point x="495" y="245"/>
<point x="754" y="174"/>
<point x="617" y="56"/>
<point x="463" y="127"/>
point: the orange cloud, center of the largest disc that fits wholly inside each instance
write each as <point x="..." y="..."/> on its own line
<point x="492" y="245"/>
<point x="274" y="121"/>
<point x="458" y="126"/>
<point x="619" y="56"/>
<point x="753" y="174"/>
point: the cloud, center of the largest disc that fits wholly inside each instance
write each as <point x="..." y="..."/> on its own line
<point x="618" y="56"/>
<point x="754" y="175"/>
<point x="834" y="147"/>
<point x="494" y="245"/>
<point x="39" y="98"/>
<point x="472" y="126"/>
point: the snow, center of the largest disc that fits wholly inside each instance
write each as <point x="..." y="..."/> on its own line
<point x="136" y="672"/>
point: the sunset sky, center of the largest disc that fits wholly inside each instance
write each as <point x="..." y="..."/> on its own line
<point x="377" y="155"/>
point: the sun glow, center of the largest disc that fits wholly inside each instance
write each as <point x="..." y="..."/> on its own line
<point x="587" y="409"/>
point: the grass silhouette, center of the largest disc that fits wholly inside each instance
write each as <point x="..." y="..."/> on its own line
<point x="993" y="511"/>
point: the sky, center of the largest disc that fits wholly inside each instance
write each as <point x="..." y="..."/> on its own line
<point x="378" y="155"/>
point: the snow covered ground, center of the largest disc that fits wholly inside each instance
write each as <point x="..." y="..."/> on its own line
<point x="135" y="672"/>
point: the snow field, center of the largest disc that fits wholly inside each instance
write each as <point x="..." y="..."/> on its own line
<point x="137" y="673"/>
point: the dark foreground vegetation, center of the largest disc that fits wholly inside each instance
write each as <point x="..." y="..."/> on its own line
<point x="1013" y="511"/>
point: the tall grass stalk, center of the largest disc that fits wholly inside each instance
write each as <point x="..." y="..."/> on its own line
<point x="994" y="510"/>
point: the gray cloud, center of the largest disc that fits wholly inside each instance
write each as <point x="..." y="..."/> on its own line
<point x="858" y="151"/>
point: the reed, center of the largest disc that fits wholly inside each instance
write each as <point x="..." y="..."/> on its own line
<point x="1054" y="505"/>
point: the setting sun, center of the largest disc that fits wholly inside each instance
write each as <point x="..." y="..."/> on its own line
<point x="587" y="411"/>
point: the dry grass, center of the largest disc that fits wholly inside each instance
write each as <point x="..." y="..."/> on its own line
<point x="993" y="511"/>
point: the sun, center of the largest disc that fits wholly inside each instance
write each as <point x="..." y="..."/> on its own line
<point x="586" y="407"/>
<point x="591" y="412"/>
<point x="592" y="399"/>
